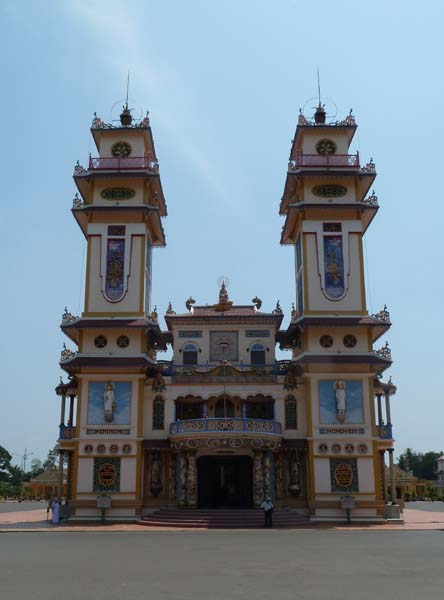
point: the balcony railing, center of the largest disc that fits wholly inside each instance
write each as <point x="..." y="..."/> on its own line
<point x="325" y="161"/>
<point x="130" y="163"/>
<point x="277" y="368"/>
<point x="385" y="431"/>
<point x="66" y="432"/>
<point x="226" y="425"/>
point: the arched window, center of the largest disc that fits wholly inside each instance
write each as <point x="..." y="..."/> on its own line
<point x="291" y="413"/>
<point x="190" y="352"/>
<point x="257" y="354"/>
<point x="158" y="413"/>
<point x="224" y="408"/>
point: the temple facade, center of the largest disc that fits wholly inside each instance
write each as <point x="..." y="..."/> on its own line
<point x="224" y="423"/>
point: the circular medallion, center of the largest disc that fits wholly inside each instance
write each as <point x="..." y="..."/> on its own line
<point x="101" y="449"/>
<point x="326" y="341"/>
<point x="88" y="448"/>
<point x="326" y="146"/>
<point x="344" y="475"/>
<point x="100" y="341"/>
<point x="123" y="341"/>
<point x="336" y="448"/>
<point x="362" y="449"/>
<point x="323" y="448"/>
<point x="349" y="448"/>
<point x="126" y="449"/>
<point x="329" y="190"/>
<point x="107" y="474"/>
<point x="349" y="341"/>
<point x="121" y="149"/>
<point x="114" y="448"/>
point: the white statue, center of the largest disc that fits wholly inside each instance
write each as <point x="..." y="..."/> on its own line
<point x="340" y="401"/>
<point x="109" y="404"/>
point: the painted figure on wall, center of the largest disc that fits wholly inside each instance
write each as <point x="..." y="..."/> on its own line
<point x="340" y="401"/>
<point x="109" y="402"/>
<point x="333" y="267"/>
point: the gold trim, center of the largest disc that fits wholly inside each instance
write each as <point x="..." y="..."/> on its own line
<point x="377" y="472"/>
<point x="371" y="391"/>
<point x="142" y="274"/>
<point x="113" y="314"/>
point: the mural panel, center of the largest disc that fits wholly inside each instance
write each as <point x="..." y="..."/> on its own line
<point x="115" y="267"/>
<point x="344" y="475"/>
<point x="340" y="402"/>
<point x="333" y="267"/>
<point x="224" y="346"/>
<point x="109" y="402"/>
<point x="106" y="475"/>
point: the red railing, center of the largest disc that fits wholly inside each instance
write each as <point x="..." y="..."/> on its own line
<point x="130" y="163"/>
<point x="325" y="161"/>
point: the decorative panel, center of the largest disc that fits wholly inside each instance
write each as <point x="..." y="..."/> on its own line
<point x="190" y="334"/>
<point x="115" y="268"/>
<point x="291" y="415"/>
<point x="158" y="413"/>
<point x="255" y="333"/>
<point x="334" y="284"/>
<point x="224" y="346"/>
<point x="106" y="475"/>
<point x="344" y="475"/>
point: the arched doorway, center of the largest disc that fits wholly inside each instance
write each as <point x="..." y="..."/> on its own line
<point x="225" y="481"/>
<point x="224" y="409"/>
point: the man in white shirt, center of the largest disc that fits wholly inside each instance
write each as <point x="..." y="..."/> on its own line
<point x="267" y="507"/>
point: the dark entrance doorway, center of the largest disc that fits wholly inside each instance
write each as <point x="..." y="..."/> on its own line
<point x="225" y="482"/>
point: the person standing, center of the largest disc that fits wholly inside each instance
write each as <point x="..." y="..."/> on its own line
<point x="55" y="512"/>
<point x="267" y="507"/>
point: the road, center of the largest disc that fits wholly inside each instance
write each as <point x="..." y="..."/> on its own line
<point x="216" y="565"/>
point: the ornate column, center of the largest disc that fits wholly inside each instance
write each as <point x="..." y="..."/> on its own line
<point x="244" y="409"/>
<point x="294" y="486"/>
<point x="171" y="476"/>
<point x="392" y="477"/>
<point x="69" y="477"/>
<point x="378" y="397"/>
<point x="182" y="479"/>
<point x="60" y="482"/>
<point x="62" y="410"/>
<point x="258" y="478"/>
<point x="71" y="410"/>
<point x="192" y="478"/>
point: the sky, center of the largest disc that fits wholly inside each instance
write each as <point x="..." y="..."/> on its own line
<point x="223" y="82"/>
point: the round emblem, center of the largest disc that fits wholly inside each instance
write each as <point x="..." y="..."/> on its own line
<point x="362" y="448"/>
<point x="100" y="341"/>
<point x="326" y="146"/>
<point x="101" y="448"/>
<point x="126" y="448"/>
<point x="344" y="475"/>
<point x="123" y="341"/>
<point x="336" y="448"/>
<point x="107" y="474"/>
<point x="121" y="149"/>
<point x="323" y="448"/>
<point x="114" y="448"/>
<point x="326" y="341"/>
<point x="349" y="341"/>
<point x="349" y="448"/>
<point x="88" y="448"/>
<point x="118" y="193"/>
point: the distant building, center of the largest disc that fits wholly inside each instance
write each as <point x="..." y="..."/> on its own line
<point x="224" y="423"/>
<point x="44" y="486"/>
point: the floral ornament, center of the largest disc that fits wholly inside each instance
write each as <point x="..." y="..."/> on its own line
<point x="158" y="383"/>
<point x="126" y="449"/>
<point x="349" y="448"/>
<point x="101" y="448"/>
<point x="323" y="448"/>
<point x="336" y="448"/>
<point x="290" y="382"/>
<point x="362" y="449"/>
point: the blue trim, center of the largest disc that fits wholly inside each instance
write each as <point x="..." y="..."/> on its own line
<point x="227" y="425"/>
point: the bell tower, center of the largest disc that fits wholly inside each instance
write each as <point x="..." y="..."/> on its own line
<point x="327" y="209"/>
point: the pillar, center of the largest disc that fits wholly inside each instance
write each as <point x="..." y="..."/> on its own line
<point x="62" y="410"/>
<point x="383" y="478"/>
<point x="205" y="409"/>
<point x="378" y="396"/>
<point x="258" y="478"/>
<point x="244" y="409"/>
<point x="71" y="411"/>
<point x="69" y="478"/>
<point x="60" y="483"/>
<point x="387" y="408"/>
<point x="267" y="474"/>
<point x="392" y="477"/>
<point x="192" y="479"/>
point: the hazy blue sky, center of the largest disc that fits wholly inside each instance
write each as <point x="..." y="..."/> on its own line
<point x="223" y="82"/>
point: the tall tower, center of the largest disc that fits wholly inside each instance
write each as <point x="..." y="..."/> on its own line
<point x="327" y="212"/>
<point x="118" y="207"/>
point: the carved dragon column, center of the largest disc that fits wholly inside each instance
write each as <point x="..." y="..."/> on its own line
<point x="192" y="478"/>
<point x="182" y="479"/>
<point x="258" y="478"/>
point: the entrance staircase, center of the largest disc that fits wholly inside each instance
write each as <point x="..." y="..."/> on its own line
<point x="221" y="519"/>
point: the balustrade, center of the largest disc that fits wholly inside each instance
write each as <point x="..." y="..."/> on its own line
<point x="226" y="425"/>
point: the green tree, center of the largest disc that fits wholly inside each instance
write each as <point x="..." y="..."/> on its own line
<point x="52" y="459"/>
<point x="418" y="464"/>
<point x="5" y="465"/>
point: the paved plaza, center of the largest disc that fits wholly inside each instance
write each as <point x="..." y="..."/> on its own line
<point x="42" y="561"/>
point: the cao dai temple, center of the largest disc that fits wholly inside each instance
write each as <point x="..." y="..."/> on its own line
<point x="224" y="424"/>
